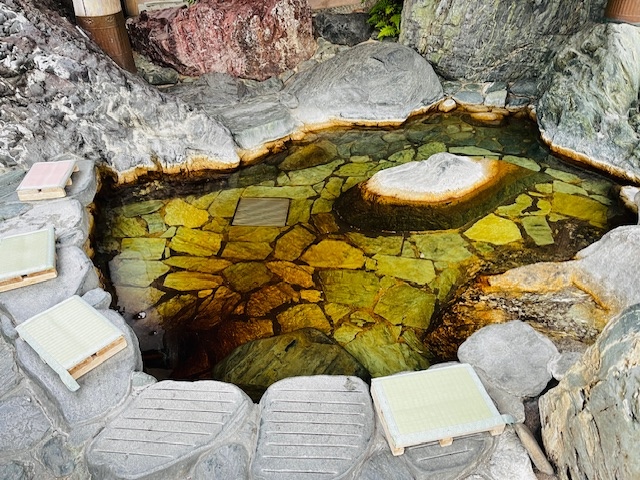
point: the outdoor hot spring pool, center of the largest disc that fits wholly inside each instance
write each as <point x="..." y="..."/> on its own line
<point x="196" y="278"/>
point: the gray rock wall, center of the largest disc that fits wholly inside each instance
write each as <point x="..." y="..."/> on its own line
<point x="590" y="109"/>
<point x="60" y="94"/>
<point x="484" y="40"/>
<point x="591" y="420"/>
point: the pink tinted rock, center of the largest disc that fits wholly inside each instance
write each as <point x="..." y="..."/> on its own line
<point x="245" y="38"/>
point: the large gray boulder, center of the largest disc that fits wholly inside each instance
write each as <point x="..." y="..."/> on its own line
<point x="483" y="40"/>
<point x="59" y="94"/>
<point x="590" y="110"/>
<point x="590" y="424"/>
<point x="372" y="82"/>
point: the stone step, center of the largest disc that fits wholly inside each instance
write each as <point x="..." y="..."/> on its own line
<point x="313" y="428"/>
<point x="164" y="430"/>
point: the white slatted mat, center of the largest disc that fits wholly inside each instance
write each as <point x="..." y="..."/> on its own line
<point x="313" y="428"/>
<point x="68" y="334"/>
<point x="436" y="404"/>
<point x="46" y="180"/>
<point x="26" y="254"/>
<point x="262" y="212"/>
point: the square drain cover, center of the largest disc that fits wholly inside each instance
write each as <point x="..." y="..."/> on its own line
<point x="27" y="258"/>
<point x="262" y="212"/>
<point x="72" y="338"/>
<point x="436" y="404"/>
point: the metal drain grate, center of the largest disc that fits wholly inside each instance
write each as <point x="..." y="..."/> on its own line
<point x="262" y="212"/>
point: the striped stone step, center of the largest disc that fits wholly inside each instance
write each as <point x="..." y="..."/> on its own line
<point x="313" y="428"/>
<point x="164" y="430"/>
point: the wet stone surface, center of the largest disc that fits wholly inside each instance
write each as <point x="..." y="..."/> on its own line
<point x="180" y="269"/>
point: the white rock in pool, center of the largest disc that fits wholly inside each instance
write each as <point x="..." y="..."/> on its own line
<point x="442" y="176"/>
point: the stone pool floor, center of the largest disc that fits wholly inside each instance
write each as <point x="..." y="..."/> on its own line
<point x="180" y="267"/>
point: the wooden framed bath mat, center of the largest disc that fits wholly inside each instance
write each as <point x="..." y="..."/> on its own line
<point x="27" y="259"/>
<point x="46" y="180"/>
<point x="438" y="404"/>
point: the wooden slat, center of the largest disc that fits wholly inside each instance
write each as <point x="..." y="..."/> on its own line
<point x="97" y="358"/>
<point x="26" y="280"/>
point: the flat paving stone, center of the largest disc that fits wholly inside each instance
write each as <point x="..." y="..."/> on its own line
<point x="8" y="369"/>
<point x="23" y="423"/>
<point x="166" y="428"/>
<point x="313" y="428"/>
<point x="448" y="463"/>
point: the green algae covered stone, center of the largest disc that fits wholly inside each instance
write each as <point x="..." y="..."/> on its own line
<point x="442" y="247"/>
<point x="413" y="270"/>
<point x="580" y="207"/>
<point x="538" y="229"/>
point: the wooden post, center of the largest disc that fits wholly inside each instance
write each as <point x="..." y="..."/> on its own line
<point x="103" y="20"/>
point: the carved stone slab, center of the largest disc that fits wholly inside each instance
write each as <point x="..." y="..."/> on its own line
<point x="164" y="430"/>
<point x="313" y="428"/>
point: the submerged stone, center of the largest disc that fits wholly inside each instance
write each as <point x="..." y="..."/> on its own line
<point x="516" y="210"/>
<point x="257" y="365"/>
<point x="225" y="203"/>
<point x="406" y="305"/>
<point x="428" y="149"/>
<point x="155" y="223"/>
<point x="232" y="334"/>
<point x="302" y="316"/>
<point x="135" y="273"/>
<point x="473" y="151"/>
<point x="446" y="191"/>
<point x="350" y="287"/>
<point x="291" y="245"/>
<point x="253" y="234"/>
<point x="403" y="156"/>
<point x="538" y="229"/>
<point x="334" y="254"/>
<point x="310" y="156"/>
<point x="214" y="308"/>
<point x="495" y="230"/>
<point x="563" y="176"/>
<point x="580" y="207"/>
<point x="293" y="274"/>
<point x="523" y="162"/>
<point x="141" y="208"/>
<point x="413" y="270"/>
<point x="377" y="348"/>
<point x="269" y="298"/>
<point x="313" y="175"/>
<point x="187" y="281"/>
<point x="247" y="276"/>
<point x="442" y="247"/>
<point x="563" y="187"/>
<point x="196" y="242"/>
<point x="144" y="248"/>
<point x="247" y="250"/>
<point x="135" y="299"/>
<point x="197" y="264"/>
<point x="124" y="227"/>
<point x="390" y="245"/>
<point x="293" y="192"/>
<point x="178" y="212"/>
